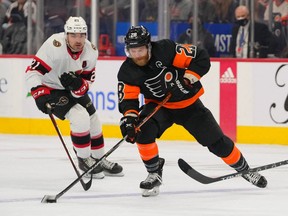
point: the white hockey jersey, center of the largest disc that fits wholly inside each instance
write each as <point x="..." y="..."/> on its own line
<point x="54" y="58"/>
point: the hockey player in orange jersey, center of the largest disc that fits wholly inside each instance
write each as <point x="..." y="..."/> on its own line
<point x="154" y="69"/>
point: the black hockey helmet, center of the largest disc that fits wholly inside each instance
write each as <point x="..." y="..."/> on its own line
<point x="137" y="36"/>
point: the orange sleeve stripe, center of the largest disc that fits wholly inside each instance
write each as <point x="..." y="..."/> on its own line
<point x="181" y="60"/>
<point x="193" y="73"/>
<point x="131" y="92"/>
<point x="234" y="156"/>
<point x="179" y="104"/>
<point x="147" y="151"/>
<point x="131" y="111"/>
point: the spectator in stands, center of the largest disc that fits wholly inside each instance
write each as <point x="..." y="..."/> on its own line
<point x="20" y="7"/>
<point x="56" y="13"/>
<point x="278" y="32"/>
<point x="150" y="11"/>
<point x="260" y="8"/>
<point x="279" y="6"/>
<point x="53" y="24"/>
<point x="123" y="7"/>
<point x="223" y="11"/>
<point x="279" y="22"/>
<point x="204" y="39"/>
<point x="6" y="3"/>
<point x="206" y="11"/>
<point x="15" y="36"/>
<point x="205" y="8"/>
<point x="3" y="9"/>
<point x="284" y="53"/>
<point x="241" y="37"/>
<point x="106" y="15"/>
<point x="180" y="9"/>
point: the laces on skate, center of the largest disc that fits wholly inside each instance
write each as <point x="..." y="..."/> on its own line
<point x="86" y="163"/>
<point x="111" y="169"/>
<point x="256" y="179"/>
<point x="150" y="186"/>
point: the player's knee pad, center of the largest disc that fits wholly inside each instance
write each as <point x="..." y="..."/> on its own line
<point x="222" y="147"/>
<point x="79" y="119"/>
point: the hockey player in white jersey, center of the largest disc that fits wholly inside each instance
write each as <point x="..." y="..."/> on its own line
<point x="60" y="75"/>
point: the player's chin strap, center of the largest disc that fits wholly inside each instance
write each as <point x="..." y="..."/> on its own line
<point x="85" y="186"/>
<point x="53" y="199"/>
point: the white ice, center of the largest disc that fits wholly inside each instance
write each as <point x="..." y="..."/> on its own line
<point x="34" y="166"/>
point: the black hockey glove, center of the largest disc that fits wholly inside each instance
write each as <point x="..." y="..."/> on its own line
<point x="74" y="83"/>
<point x="42" y="97"/>
<point x="128" y="125"/>
<point x="71" y="81"/>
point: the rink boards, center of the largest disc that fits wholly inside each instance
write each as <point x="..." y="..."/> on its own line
<point x="246" y="97"/>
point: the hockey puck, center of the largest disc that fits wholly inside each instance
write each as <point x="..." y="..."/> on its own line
<point x="49" y="199"/>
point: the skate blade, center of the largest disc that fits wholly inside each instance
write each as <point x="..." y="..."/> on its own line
<point x="99" y="175"/>
<point x="121" y="174"/>
<point x="150" y="192"/>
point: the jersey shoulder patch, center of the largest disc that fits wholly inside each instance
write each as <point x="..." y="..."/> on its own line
<point x="56" y="43"/>
<point x="93" y="46"/>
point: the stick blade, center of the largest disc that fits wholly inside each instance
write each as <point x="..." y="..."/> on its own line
<point x="188" y="170"/>
<point x="49" y="199"/>
<point x="185" y="167"/>
<point x="87" y="185"/>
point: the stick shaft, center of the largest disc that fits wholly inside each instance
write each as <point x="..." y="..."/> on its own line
<point x="113" y="148"/>
<point x="85" y="186"/>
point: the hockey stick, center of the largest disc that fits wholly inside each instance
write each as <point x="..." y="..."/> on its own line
<point x="187" y="169"/>
<point x="53" y="199"/>
<point x="85" y="186"/>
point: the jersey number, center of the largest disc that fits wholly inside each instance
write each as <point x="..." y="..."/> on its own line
<point x="188" y="49"/>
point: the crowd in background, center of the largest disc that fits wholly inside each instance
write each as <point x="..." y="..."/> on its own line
<point x="13" y="19"/>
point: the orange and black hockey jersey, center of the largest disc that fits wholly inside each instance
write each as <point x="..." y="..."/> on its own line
<point x="186" y="58"/>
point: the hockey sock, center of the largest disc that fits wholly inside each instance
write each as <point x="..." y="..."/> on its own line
<point x="97" y="146"/>
<point x="236" y="160"/>
<point x="149" y="155"/>
<point x="81" y="143"/>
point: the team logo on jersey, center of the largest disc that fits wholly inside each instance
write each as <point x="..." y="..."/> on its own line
<point x="159" y="64"/>
<point x="56" y="43"/>
<point x="62" y="101"/>
<point x="159" y="84"/>
<point x="168" y="77"/>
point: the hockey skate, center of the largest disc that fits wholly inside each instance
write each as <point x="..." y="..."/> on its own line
<point x="111" y="168"/>
<point x="85" y="163"/>
<point x="256" y="179"/>
<point x="150" y="186"/>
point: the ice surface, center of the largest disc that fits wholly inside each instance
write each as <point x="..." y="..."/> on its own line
<point x="34" y="166"/>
